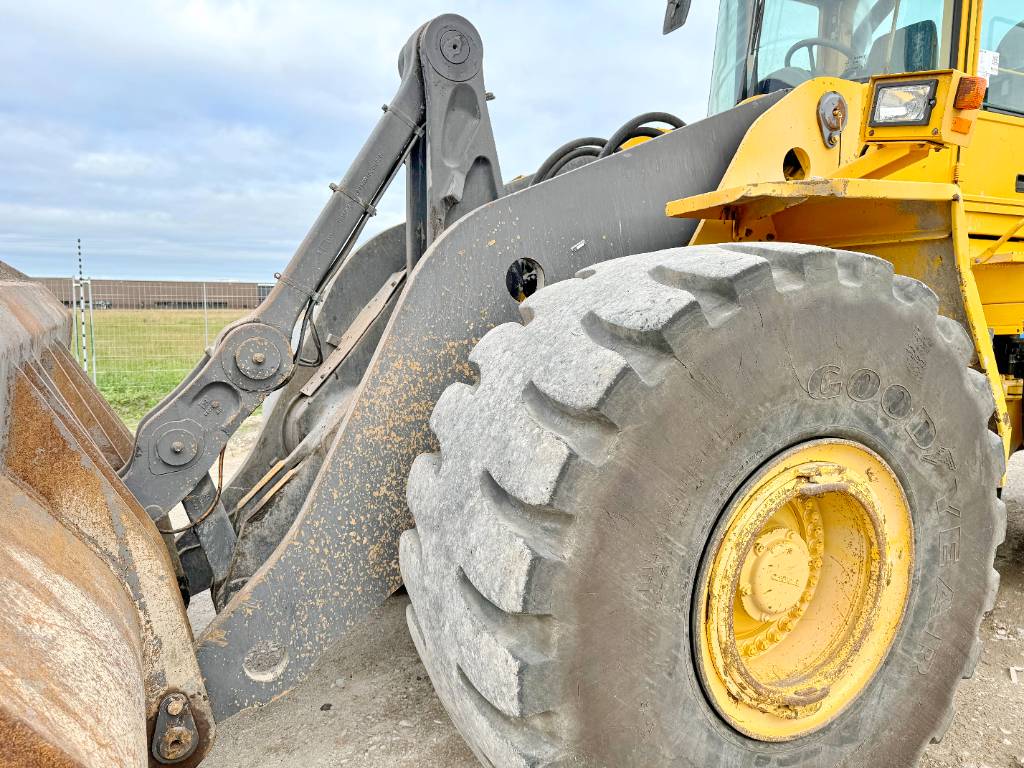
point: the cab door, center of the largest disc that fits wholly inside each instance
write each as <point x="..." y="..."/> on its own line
<point x="991" y="171"/>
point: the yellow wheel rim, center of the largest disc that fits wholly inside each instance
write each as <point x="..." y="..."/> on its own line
<point x="806" y="585"/>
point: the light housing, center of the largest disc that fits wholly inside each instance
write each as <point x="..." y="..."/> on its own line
<point x="904" y="102"/>
<point x="970" y="92"/>
<point x="893" y="109"/>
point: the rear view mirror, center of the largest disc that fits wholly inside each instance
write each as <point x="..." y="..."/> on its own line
<point x="675" y="15"/>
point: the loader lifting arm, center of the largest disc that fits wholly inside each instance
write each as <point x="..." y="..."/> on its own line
<point x="441" y="92"/>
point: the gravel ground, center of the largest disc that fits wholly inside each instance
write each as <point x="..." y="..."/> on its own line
<point x="369" y="701"/>
<point x="988" y="730"/>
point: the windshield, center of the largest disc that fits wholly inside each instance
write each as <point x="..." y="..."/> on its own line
<point x="767" y="45"/>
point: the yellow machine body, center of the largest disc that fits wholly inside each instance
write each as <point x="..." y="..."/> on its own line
<point x="937" y="200"/>
<point x="942" y="202"/>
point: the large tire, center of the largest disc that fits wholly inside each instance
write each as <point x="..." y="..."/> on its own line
<point x="561" y="528"/>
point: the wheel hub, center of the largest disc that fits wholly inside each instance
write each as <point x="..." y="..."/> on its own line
<point x="803" y="589"/>
<point x="775" y="574"/>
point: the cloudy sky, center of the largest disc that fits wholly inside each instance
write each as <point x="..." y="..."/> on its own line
<point x="196" y="139"/>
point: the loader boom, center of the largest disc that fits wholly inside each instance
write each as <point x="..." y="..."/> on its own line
<point x="441" y="92"/>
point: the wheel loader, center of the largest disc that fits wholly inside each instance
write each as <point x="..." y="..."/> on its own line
<point x="687" y="447"/>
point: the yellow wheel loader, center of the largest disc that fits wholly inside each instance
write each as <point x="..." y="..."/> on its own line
<point x="687" y="447"/>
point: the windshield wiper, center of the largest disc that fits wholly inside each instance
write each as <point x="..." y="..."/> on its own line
<point x="753" y="43"/>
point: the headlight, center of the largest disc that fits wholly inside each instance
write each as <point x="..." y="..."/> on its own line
<point x="904" y="103"/>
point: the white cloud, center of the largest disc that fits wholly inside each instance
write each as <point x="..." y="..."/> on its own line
<point x="124" y="163"/>
<point x="199" y="137"/>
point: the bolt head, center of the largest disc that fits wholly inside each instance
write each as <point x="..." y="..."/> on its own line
<point x="454" y="46"/>
<point x="177" y="446"/>
<point x="259" y="358"/>
<point x="175" y="705"/>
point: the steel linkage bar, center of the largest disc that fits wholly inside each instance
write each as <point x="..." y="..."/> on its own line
<point x="178" y="442"/>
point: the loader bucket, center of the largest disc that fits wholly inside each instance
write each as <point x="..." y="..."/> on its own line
<point x="93" y="636"/>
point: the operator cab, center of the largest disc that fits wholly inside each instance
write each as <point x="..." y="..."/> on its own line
<point x="770" y="45"/>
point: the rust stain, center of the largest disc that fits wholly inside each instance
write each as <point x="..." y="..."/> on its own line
<point x="71" y="688"/>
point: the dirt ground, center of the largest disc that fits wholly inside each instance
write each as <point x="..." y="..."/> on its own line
<point x="369" y="701"/>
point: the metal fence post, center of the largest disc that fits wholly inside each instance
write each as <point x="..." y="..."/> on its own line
<point x="92" y="332"/>
<point x="81" y="309"/>
<point x="206" y="321"/>
<point x="74" y="319"/>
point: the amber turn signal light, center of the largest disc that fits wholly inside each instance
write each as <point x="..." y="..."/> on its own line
<point x="970" y="93"/>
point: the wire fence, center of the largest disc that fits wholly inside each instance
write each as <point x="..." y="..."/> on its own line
<point x="139" y="338"/>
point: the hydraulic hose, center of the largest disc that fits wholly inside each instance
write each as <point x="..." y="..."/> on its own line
<point x="544" y="172"/>
<point x="629" y="128"/>
<point x="592" y="146"/>
<point x="568" y="157"/>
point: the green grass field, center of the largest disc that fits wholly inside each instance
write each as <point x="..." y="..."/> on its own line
<point x="141" y="355"/>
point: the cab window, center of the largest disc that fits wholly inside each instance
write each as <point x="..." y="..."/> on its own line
<point x="904" y="36"/>
<point x="1002" y="54"/>
<point x="770" y="45"/>
<point x="784" y="24"/>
